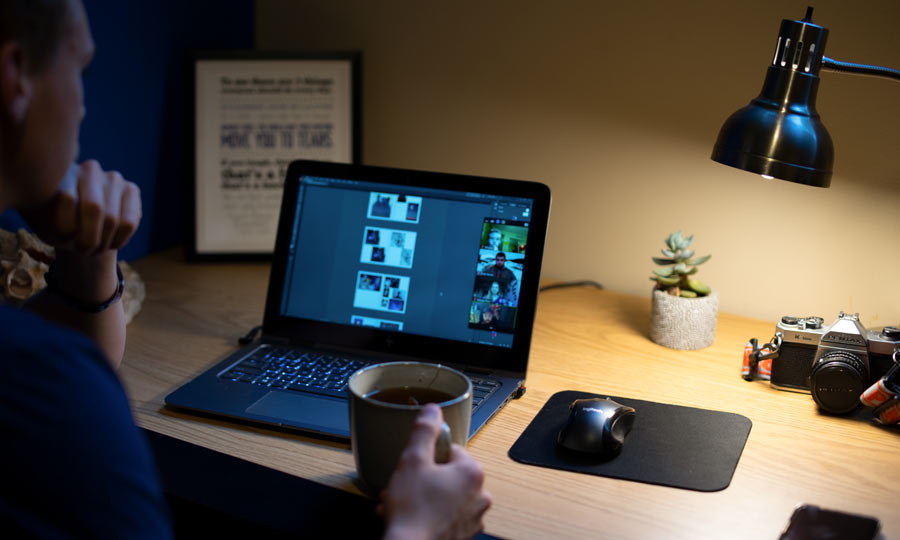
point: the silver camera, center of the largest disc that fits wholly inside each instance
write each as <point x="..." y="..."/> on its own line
<point x="800" y="339"/>
<point x="835" y="363"/>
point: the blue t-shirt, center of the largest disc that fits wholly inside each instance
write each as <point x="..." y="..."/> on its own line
<point x="72" y="462"/>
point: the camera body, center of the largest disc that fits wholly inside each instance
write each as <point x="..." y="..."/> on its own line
<point x="882" y="344"/>
<point x="800" y="340"/>
<point x="835" y="363"/>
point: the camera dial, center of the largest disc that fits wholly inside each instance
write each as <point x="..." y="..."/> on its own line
<point x="890" y="332"/>
<point x="814" y="322"/>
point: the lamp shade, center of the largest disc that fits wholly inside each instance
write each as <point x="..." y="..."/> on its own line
<point x="779" y="133"/>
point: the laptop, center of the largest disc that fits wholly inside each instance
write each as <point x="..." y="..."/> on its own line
<point x="374" y="265"/>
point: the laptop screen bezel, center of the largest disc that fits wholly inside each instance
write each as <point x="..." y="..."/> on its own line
<point x="363" y="339"/>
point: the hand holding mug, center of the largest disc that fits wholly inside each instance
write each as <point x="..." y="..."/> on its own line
<point x="425" y="499"/>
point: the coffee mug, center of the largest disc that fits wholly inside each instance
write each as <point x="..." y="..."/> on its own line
<point x="384" y="402"/>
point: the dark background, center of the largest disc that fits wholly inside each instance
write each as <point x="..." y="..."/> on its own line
<point x="136" y="100"/>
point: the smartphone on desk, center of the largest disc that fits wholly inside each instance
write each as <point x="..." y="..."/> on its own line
<point x="810" y="522"/>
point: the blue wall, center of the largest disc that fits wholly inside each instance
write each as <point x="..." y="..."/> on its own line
<point x="136" y="99"/>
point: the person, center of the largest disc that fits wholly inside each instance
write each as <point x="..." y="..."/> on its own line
<point x="73" y="462"/>
<point x="494" y="295"/>
<point x="493" y="240"/>
<point x="498" y="270"/>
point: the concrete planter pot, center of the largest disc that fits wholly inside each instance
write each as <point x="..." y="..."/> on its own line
<point x="683" y="323"/>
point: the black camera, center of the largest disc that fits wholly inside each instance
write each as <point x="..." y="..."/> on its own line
<point x="835" y="363"/>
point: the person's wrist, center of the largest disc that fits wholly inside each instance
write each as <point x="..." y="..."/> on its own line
<point x="86" y="280"/>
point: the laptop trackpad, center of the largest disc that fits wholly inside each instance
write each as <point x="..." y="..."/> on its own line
<point x="307" y="410"/>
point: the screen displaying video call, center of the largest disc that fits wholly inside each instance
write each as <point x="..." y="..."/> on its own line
<point x="425" y="261"/>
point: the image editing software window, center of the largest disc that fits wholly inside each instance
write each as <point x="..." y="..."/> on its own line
<point x="425" y="261"/>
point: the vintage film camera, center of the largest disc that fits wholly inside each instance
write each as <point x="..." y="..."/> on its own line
<point x="834" y="363"/>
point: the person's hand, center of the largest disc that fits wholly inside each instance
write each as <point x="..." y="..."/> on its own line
<point x="92" y="212"/>
<point x="427" y="500"/>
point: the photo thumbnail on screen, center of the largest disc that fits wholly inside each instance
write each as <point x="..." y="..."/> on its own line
<point x="503" y="235"/>
<point x="501" y="292"/>
<point x="388" y="247"/>
<point x="381" y="292"/>
<point x="499" y="265"/>
<point x="394" y="207"/>
<point x="493" y="317"/>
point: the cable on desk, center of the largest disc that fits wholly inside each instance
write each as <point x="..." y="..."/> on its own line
<point x="251" y="335"/>
<point x="571" y="284"/>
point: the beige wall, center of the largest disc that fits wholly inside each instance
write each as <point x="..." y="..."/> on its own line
<point x="616" y="105"/>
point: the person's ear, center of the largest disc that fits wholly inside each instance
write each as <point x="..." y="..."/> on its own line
<point x="15" y="84"/>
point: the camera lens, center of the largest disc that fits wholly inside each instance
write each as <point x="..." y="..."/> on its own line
<point x="838" y="379"/>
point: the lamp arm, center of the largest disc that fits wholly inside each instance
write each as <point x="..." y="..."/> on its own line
<point x="861" y="69"/>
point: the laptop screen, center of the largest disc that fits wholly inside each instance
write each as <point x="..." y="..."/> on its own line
<point x="407" y="259"/>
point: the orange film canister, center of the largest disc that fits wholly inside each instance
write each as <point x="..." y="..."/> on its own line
<point x="876" y="394"/>
<point x="765" y="369"/>
<point x="889" y="413"/>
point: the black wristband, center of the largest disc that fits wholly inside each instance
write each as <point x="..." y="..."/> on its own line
<point x="81" y="305"/>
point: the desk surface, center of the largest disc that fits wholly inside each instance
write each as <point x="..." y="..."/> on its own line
<point x="584" y="339"/>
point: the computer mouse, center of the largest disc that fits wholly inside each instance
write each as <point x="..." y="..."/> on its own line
<point x="596" y="426"/>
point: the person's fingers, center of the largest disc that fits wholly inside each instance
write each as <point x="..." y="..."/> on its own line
<point x="485" y="500"/>
<point x="112" y="195"/>
<point x="90" y="206"/>
<point x="65" y="207"/>
<point x="476" y="510"/>
<point x="129" y="215"/>
<point x="467" y="466"/>
<point x="425" y="431"/>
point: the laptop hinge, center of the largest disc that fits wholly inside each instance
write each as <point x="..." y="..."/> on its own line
<point x="475" y="370"/>
<point x="268" y="338"/>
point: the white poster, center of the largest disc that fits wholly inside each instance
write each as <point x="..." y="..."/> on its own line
<point x="253" y="117"/>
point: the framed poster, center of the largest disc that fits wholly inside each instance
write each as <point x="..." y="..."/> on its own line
<point x="253" y="113"/>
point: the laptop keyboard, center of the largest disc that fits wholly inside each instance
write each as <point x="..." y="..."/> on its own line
<point x="302" y="371"/>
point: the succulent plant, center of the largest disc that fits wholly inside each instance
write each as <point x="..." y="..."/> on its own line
<point x="678" y="267"/>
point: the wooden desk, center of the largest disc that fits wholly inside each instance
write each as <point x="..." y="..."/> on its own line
<point x="588" y="340"/>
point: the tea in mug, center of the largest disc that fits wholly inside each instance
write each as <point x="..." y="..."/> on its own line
<point x="410" y="395"/>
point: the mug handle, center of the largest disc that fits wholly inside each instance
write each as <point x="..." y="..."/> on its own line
<point x="442" y="446"/>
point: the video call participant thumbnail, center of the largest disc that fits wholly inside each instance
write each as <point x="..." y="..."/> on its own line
<point x="498" y="270"/>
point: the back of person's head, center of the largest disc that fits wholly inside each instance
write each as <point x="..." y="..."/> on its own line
<point x="37" y="25"/>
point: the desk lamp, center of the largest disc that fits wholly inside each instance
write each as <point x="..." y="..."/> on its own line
<point x="779" y="134"/>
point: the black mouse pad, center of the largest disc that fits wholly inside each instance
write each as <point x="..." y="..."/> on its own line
<point x="669" y="445"/>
